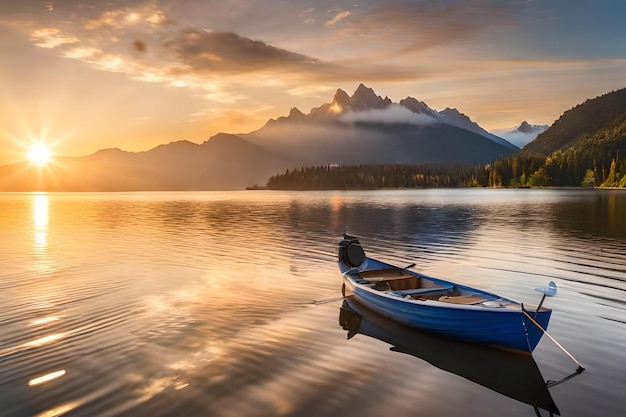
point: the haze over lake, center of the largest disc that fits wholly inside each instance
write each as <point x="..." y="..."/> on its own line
<point x="168" y="304"/>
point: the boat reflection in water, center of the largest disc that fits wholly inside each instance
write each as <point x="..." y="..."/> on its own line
<point x="514" y="374"/>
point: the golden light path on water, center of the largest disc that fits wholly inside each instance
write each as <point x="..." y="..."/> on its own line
<point x="40" y="221"/>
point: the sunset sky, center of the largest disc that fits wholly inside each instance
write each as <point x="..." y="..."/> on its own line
<point x="85" y="75"/>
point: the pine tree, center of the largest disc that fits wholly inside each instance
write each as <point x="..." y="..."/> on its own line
<point x="610" y="178"/>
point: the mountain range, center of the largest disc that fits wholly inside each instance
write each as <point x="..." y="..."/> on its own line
<point x="360" y="129"/>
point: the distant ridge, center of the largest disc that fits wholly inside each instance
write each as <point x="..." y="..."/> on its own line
<point x="364" y="128"/>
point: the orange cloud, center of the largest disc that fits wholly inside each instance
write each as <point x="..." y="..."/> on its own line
<point x="51" y="38"/>
<point x="338" y="17"/>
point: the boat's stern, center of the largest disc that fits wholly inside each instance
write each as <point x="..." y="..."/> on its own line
<point x="535" y="324"/>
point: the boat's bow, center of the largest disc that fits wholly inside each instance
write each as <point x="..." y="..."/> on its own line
<point x="351" y="254"/>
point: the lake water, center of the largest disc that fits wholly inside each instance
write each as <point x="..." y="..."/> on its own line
<point x="195" y="304"/>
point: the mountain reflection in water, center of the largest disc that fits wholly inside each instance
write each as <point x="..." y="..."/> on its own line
<point x="513" y="374"/>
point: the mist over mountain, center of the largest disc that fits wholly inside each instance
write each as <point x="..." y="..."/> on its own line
<point x="523" y="134"/>
<point x="392" y="114"/>
<point x="360" y="129"/>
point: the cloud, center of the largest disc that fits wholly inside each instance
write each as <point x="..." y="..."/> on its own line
<point x="518" y="139"/>
<point x="416" y="26"/>
<point x="51" y="38"/>
<point x="338" y="17"/>
<point x="203" y="53"/>
<point x="217" y="51"/>
<point x="146" y="43"/>
<point x="123" y="18"/>
<point x="393" y="114"/>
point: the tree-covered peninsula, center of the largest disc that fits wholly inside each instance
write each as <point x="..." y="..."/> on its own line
<point x="363" y="177"/>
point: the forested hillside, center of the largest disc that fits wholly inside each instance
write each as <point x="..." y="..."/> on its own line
<point x="578" y="123"/>
<point x="585" y="147"/>
<point x="380" y="176"/>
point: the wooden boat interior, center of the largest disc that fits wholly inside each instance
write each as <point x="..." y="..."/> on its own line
<point x="400" y="283"/>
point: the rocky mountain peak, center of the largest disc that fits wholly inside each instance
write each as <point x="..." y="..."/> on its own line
<point x="365" y="98"/>
<point x="526" y="127"/>
<point x="295" y="113"/>
<point x="341" y="98"/>
<point x="417" y="106"/>
<point x="456" y="118"/>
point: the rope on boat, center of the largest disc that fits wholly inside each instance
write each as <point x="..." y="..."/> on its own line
<point x="580" y="367"/>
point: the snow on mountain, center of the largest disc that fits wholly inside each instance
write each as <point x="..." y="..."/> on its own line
<point x="523" y="134"/>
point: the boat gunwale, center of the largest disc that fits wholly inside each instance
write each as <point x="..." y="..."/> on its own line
<point x="514" y="307"/>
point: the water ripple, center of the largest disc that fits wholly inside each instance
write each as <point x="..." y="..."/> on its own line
<point x="195" y="303"/>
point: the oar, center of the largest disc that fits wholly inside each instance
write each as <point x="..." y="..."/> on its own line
<point x="580" y="367"/>
<point x="408" y="266"/>
<point x="316" y="302"/>
<point x="551" y="384"/>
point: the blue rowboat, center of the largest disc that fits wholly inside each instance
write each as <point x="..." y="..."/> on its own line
<point x="439" y="306"/>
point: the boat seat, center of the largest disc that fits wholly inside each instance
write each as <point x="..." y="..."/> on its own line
<point x="466" y="299"/>
<point x="384" y="274"/>
<point x="424" y="291"/>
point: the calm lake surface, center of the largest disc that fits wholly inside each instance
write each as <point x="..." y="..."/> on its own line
<point x="194" y="304"/>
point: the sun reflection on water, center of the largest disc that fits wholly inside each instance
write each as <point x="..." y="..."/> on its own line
<point x="46" y="378"/>
<point x="45" y="320"/>
<point x="59" y="410"/>
<point x="40" y="221"/>
<point x="44" y="340"/>
<point x="33" y="344"/>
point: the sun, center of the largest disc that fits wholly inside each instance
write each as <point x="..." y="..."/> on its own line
<point x="39" y="154"/>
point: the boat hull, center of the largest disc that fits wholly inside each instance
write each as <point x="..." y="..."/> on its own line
<point x="499" y="327"/>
